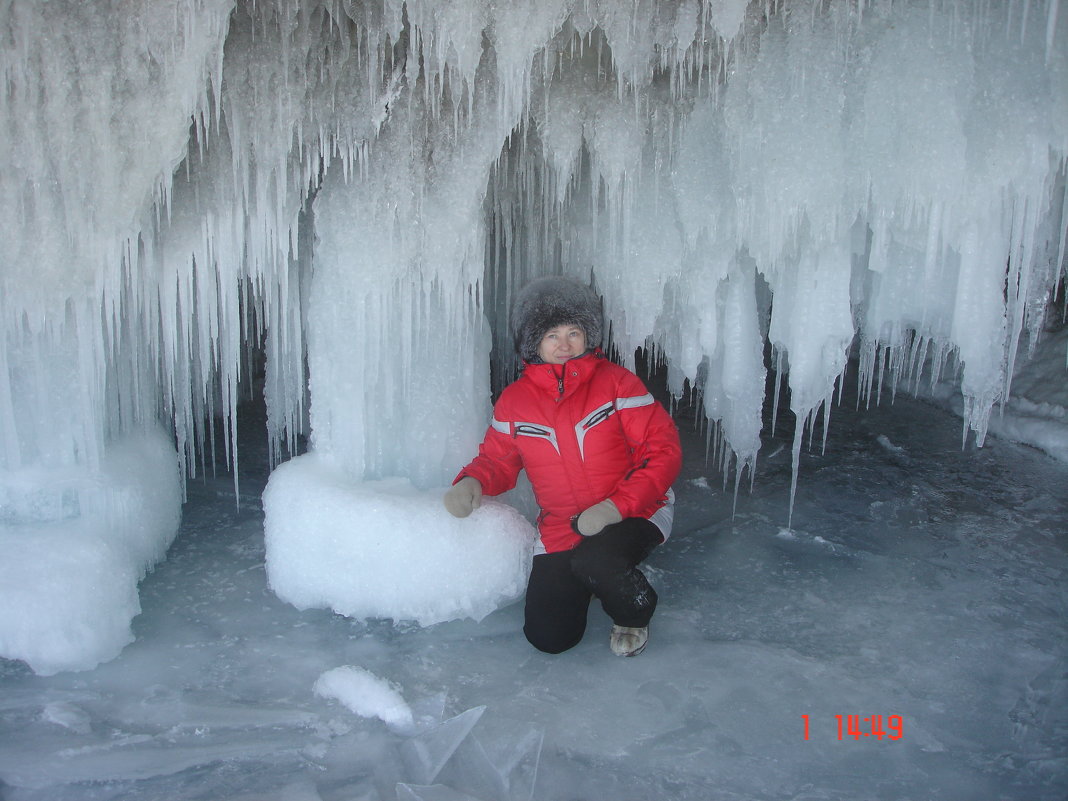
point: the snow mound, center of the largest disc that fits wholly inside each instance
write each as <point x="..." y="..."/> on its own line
<point x="76" y="541"/>
<point x="385" y="549"/>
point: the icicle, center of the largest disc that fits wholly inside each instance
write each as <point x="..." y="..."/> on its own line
<point x="780" y="377"/>
<point x="1052" y="9"/>
<point x="795" y="466"/>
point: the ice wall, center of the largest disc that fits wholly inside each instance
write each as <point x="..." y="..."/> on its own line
<point x="357" y="187"/>
<point x="95" y="116"/>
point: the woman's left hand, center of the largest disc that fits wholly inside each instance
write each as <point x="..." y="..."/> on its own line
<point x="594" y="519"/>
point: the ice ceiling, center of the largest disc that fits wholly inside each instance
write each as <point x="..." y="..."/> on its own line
<point x="358" y="188"/>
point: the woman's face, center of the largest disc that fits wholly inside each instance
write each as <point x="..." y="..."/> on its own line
<point x="562" y="343"/>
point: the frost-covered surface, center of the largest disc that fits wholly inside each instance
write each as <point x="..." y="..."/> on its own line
<point x="918" y="580"/>
<point x="386" y="549"/>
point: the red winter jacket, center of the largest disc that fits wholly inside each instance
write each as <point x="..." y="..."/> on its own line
<point x="584" y="431"/>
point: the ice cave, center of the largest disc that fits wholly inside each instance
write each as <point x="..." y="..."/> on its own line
<point x="326" y="208"/>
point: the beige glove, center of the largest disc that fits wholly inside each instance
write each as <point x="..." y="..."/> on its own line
<point x="597" y="517"/>
<point x="463" y="497"/>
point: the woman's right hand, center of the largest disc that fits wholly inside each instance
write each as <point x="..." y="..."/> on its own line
<point x="463" y="497"/>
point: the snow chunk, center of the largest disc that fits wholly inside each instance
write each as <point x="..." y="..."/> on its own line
<point x="365" y="694"/>
<point x="887" y="445"/>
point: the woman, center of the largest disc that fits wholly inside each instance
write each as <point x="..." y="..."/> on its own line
<point x="601" y="455"/>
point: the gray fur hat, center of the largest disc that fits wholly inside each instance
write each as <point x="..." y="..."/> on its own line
<point x="545" y="303"/>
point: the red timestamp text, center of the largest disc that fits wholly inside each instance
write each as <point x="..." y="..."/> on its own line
<point x="892" y="727"/>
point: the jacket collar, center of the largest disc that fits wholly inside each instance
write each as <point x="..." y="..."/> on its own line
<point x="560" y="380"/>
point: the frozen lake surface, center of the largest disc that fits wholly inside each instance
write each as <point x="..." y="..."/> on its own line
<point x="919" y="582"/>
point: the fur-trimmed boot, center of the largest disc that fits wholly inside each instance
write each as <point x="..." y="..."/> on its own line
<point x="628" y="641"/>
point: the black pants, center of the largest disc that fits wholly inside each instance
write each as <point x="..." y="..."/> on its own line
<point x="604" y="566"/>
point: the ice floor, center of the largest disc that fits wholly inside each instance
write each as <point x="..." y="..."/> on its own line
<point x="918" y="581"/>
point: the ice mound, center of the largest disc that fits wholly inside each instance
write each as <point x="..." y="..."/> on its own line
<point x="385" y="549"/>
<point x="75" y="543"/>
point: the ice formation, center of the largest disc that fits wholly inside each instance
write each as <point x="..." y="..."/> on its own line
<point x="349" y="192"/>
<point x="385" y="549"/>
<point x="75" y="544"/>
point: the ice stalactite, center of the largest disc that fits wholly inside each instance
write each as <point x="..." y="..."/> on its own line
<point x="95" y="118"/>
<point x="395" y="328"/>
<point x="812" y="325"/>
